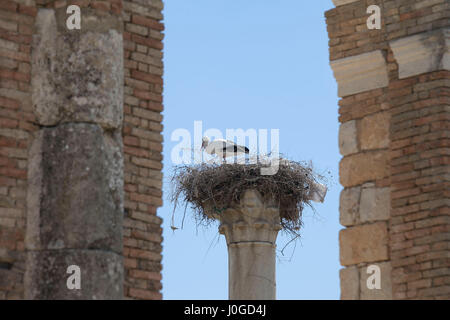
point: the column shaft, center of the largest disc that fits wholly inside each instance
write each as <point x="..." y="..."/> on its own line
<point x="251" y="271"/>
<point x="75" y="192"/>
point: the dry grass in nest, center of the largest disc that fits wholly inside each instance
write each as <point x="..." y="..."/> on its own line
<point x="223" y="184"/>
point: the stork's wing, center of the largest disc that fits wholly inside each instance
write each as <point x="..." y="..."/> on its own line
<point x="226" y="147"/>
<point x="211" y="148"/>
<point x="217" y="147"/>
<point x="231" y="146"/>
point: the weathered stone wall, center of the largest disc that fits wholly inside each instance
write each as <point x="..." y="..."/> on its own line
<point x="80" y="149"/>
<point x="394" y="141"/>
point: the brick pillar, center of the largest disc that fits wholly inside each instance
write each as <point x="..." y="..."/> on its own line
<point x="420" y="164"/>
<point x="16" y="128"/>
<point x="392" y="137"/>
<point x="142" y="139"/>
<point x="75" y="168"/>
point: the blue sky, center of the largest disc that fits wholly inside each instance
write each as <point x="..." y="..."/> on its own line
<point x="262" y="65"/>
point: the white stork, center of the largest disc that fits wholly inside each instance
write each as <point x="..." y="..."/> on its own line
<point x="225" y="148"/>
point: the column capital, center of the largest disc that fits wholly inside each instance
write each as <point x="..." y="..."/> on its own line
<point x="253" y="219"/>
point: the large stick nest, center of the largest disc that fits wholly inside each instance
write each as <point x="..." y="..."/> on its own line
<point x="222" y="185"/>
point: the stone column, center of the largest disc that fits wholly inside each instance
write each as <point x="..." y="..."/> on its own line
<point x="250" y="228"/>
<point x="75" y="174"/>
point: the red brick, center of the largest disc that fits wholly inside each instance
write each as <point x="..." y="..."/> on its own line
<point x="8" y="5"/>
<point x="143" y="254"/>
<point x="8" y="123"/>
<point x="150" y="78"/>
<point x="101" y="5"/>
<point x="155" y="106"/>
<point x="13" y="173"/>
<point x="116" y="7"/>
<point x="9" y="103"/>
<point x="150" y="42"/>
<point x="423" y="283"/>
<point x="30" y="11"/>
<point x="146" y="235"/>
<point x="20" y="56"/>
<point x="131" y="141"/>
<point x="147" y="22"/>
<point x="136" y="152"/>
<point x="144" y="294"/>
<point x="4" y="181"/>
<point x="5" y="73"/>
<point x="146" y="95"/>
<point x="130" y="263"/>
<point x="405" y="193"/>
<point x="141" y="274"/>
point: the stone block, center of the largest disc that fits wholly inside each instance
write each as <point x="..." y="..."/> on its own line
<point x="360" y="73"/>
<point x="375" y="204"/>
<point x="46" y="275"/>
<point x="76" y="76"/>
<point x="343" y="2"/>
<point x="385" y="291"/>
<point x="8" y="279"/>
<point x="348" y="138"/>
<point x="422" y="53"/>
<point x="364" y="243"/>
<point x="349" y="280"/>
<point x="375" y="131"/>
<point x="75" y="190"/>
<point x="363" y="167"/>
<point x="349" y="206"/>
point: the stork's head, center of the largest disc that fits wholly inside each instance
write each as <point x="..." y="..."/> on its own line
<point x="205" y="142"/>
